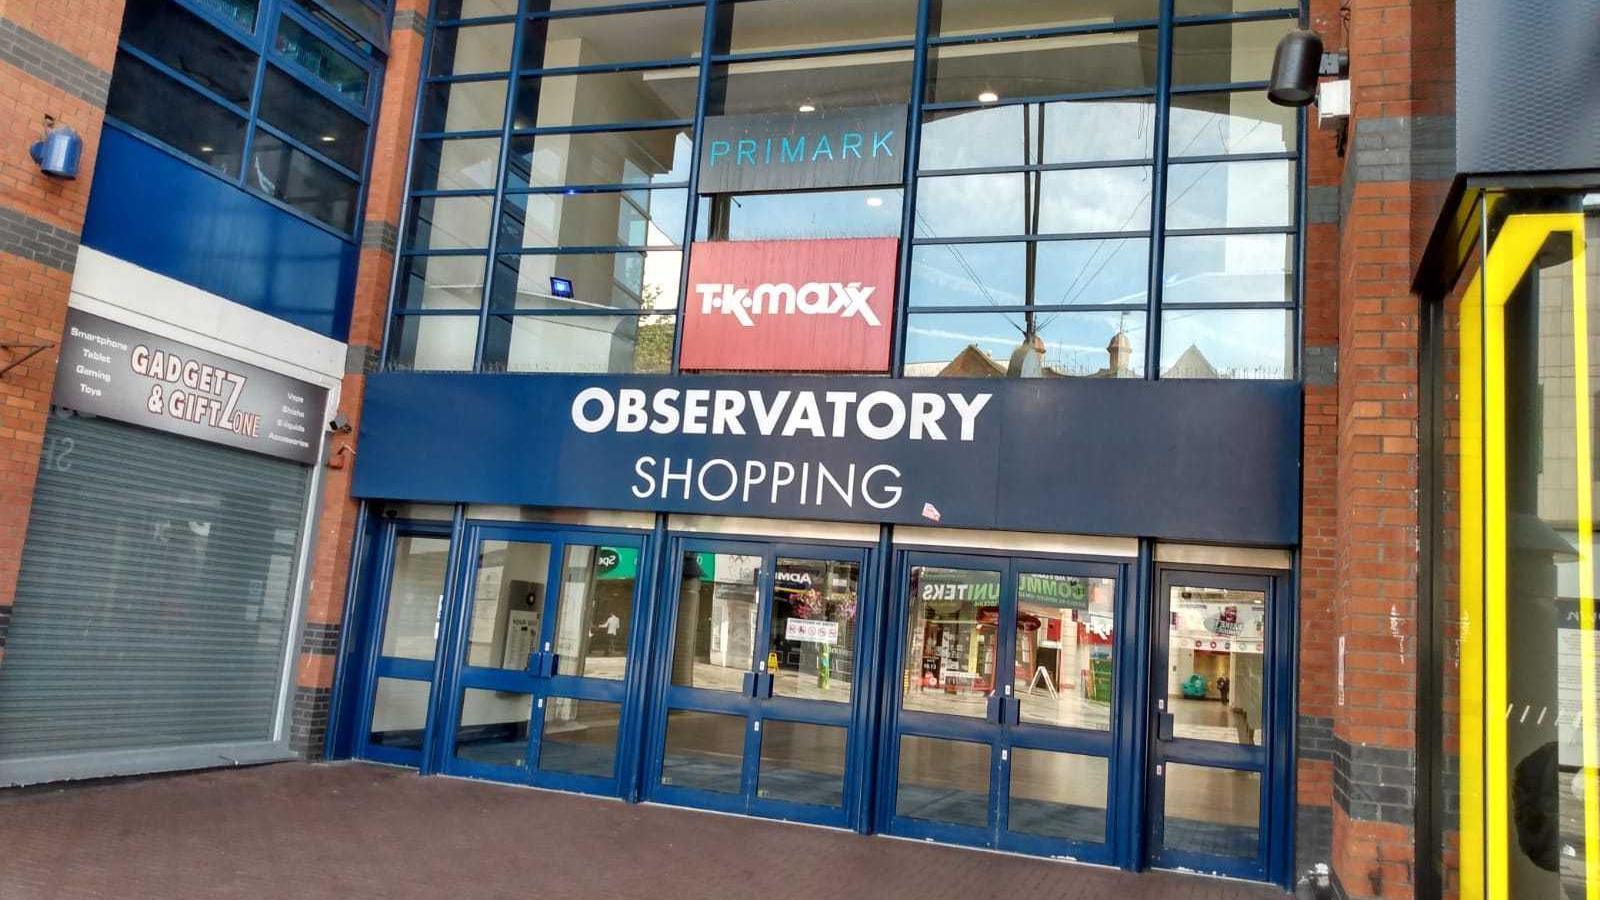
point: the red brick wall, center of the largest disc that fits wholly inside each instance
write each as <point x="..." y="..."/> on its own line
<point x="33" y="293"/>
<point x="1402" y="75"/>
<point x="336" y="525"/>
<point x="1319" y="515"/>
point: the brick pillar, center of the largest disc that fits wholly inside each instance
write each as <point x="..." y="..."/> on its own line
<point x="55" y="62"/>
<point x="336" y="524"/>
<point x="1400" y="157"/>
<point x="1319" y="479"/>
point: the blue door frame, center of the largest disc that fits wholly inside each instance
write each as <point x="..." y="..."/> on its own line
<point x="755" y="703"/>
<point x="1134" y="835"/>
<point x="373" y="665"/>
<point x="1272" y="760"/>
<point x="1002" y="729"/>
<point x="541" y="679"/>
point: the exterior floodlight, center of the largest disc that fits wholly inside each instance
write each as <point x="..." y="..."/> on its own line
<point x="1294" y="69"/>
<point x="57" y="155"/>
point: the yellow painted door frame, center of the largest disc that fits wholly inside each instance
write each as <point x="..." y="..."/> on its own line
<point x="1484" y="687"/>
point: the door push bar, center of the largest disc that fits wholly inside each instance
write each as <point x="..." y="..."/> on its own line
<point x="1004" y="709"/>
<point x="543" y="663"/>
<point x="1164" y="721"/>
<point x="758" y="684"/>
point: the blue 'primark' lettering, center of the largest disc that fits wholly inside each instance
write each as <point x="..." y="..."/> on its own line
<point x="804" y="148"/>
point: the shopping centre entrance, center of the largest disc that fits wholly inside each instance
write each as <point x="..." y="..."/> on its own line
<point x="1004" y="709"/>
<point x="765" y="659"/>
<point x="1103" y="708"/>
<point x="508" y="659"/>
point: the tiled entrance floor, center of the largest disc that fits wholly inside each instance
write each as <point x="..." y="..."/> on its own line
<point x="354" y="831"/>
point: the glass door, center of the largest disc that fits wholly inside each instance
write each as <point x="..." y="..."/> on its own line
<point x="414" y="559"/>
<point x="762" y="656"/>
<point x="1005" y="703"/>
<point x="542" y="634"/>
<point x="1212" y="680"/>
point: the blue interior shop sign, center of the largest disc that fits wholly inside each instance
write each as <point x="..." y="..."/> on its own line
<point x="801" y="151"/>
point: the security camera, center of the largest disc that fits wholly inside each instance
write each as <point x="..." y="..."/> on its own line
<point x="339" y="424"/>
<point x="58" y="153"/>
<point x="1295" y="66"/>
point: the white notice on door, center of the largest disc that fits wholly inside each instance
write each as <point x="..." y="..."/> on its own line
<point x="811" y="631"/>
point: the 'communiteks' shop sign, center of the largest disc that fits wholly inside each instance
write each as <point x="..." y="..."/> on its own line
<point x="801" y="151"/>
<point x="120" y="372"/>
<point x="1187" y="459"/>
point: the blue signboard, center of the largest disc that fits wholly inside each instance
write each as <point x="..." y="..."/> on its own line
<point x="1190" y="460"/>
<point x="855" y="147"/>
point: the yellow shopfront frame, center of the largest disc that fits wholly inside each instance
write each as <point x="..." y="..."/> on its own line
<point x="1485" y="789"/>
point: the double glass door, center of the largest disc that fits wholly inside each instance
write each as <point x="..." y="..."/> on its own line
<point x="1215" y="693"/>
<point x="759" y="660"/>
<point x="541" y="638"/>
<point x="1004" y="705"/>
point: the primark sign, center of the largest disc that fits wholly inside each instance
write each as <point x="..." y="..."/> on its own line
<point x="859" y="147"/>
<point x="1179" y="460"/>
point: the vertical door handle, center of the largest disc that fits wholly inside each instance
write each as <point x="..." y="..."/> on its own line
<point x="767" y="682"/>
<point x="1013" y="710"/>
<point x="549" y="665"/>
<point x="535" y="661"/>
<point x="996" y="714"/>
<point x="1164" y="726"/>
<point x="750" y="682"/>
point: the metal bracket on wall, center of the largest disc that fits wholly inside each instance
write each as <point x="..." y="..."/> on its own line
<point x="28" y="351"/>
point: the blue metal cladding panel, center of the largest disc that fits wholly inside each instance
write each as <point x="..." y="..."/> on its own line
<point x="1183" y="460"/>
<point x="169" y="216"/>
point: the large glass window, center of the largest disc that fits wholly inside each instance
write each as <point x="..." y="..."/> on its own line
<point x="1035" y="215"/>
<point x="1032" y="249"/>
<point x="180" y="117"/>
<point x="187" y="72"/>
<point x="763" y="26"/>
<point x="963" y="17"/>
<point x="585" y="220"/>
<point x="1054" y="226"/>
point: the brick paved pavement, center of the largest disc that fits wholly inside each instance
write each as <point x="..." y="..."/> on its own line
<point x="356" y="831"/>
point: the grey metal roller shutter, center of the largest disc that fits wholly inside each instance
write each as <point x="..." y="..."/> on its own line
<point x="154" y="597"/>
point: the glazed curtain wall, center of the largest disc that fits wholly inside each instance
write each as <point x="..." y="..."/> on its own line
<point x="275" y="96"/>
<point x="1106" y="177"/>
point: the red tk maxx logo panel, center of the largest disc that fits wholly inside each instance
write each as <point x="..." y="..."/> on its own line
<point x="790" y="306"/>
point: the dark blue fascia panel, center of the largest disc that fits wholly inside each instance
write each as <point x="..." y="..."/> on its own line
<point x="169" y="216"/>
<point x="1211" y="461"/>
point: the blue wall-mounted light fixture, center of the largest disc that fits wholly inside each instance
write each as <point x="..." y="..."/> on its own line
<point x="58" y="154"/>
<point x="561" y="287"/>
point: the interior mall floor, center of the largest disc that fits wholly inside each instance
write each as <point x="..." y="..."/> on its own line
<point x="353" y="831"/>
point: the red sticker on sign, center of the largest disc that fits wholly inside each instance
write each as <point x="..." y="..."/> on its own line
<point x="790" y="306"/>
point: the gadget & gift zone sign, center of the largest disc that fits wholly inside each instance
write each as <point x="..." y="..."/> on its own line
<point x="814" y="306"/>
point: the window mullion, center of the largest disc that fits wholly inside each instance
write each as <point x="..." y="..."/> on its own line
<point x="496" y="208"/>
<point x="269" y="31"/>
<point x="1158" y="193"/>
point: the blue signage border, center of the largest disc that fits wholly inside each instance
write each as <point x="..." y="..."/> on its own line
<point x="1214" y="461"/>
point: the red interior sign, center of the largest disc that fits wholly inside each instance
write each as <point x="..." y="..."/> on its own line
<point x="790" y="306"/>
